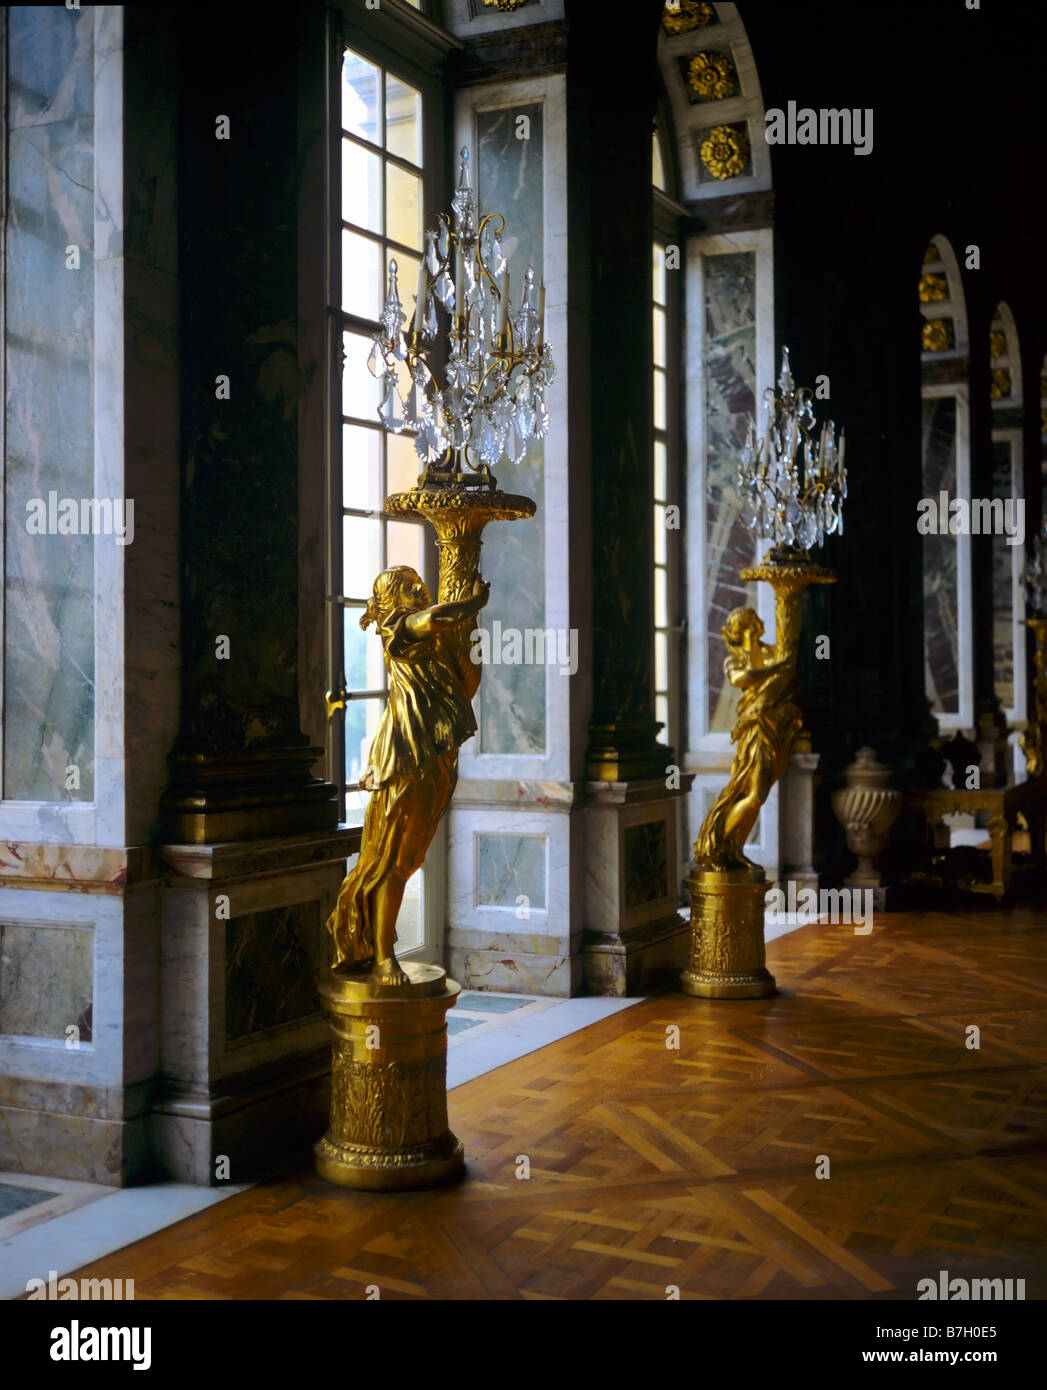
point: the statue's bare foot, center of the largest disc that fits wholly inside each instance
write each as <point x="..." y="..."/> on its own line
<point x="390" y="972"/>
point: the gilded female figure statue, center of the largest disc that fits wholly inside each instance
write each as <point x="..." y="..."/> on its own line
<point x="413" y="763"/>
<point x="768" y="721"/>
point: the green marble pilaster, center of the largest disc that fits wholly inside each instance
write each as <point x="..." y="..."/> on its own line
<point x="610" y="262"/>
<point x="241" y="769"/>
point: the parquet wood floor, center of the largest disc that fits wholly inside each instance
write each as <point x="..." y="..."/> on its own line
<point x="696" y="1167"/>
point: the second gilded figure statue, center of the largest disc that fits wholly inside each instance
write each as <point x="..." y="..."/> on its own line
<point x="767" y="723"/>
<point x="412" y="767"/>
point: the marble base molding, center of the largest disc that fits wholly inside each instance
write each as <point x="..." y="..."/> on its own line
<point x="248" y="795"/>
<point x="635" y="938"/>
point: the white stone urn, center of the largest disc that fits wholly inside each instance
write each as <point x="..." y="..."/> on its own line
<point x="866" y="806"/>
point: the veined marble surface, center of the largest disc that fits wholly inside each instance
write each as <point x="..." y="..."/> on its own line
<point x="49" y="445"/>
<point x="509" y="179"/>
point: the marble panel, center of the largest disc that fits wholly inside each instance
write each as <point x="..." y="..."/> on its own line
<point x="941" y="630"/>
<point x="510" y="180"/>
<point x="71" y="1146"/>
<point x="49" y="306"/>
<point x="46" y="981"/>
<point x="123" y="1046"/>
<point x="272" y="963"/>
<point x="645" y="862"/>
<point x="1003" y="585"/>
<point x="14" y="1199"/>
<point x="514" y="972"/>
<point x="511" y="866"/>
<point x="50" y="64"/>
<point x="730" y="380"/>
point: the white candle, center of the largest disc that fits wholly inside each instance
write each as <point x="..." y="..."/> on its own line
<point x="459" y="282"/>
<point x="503" y="305"/>
<point x="419" y="313"/>
<point x="541" y="314"/>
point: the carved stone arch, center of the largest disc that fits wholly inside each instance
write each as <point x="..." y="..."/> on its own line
<point x="714" y="94"/>
<point x="945" y="335"/>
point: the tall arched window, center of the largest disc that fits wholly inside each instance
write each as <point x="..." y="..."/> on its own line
<point x="946" y="469"/>
<point x="729" y="355"/>
<point x="665" y="383"/>
<point x="1008" y="485"/>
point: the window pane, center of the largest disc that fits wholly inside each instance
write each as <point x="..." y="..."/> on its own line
<point x="410" y="921"/>
<point x="407" y="279"/>
<point x="659" y="337"/>
<point x="360" y="555"/>
<point x="359" y="387"/>
<point x="364" y="667"/>
<point x="659" y="400"/>
<point x="361" y="112"/>
<point x="405" y="545"/>
<point x="403" y="213"/>
<point x="361" y="187"/>
<point x="403" y="119"/>
<point x="361" y="468"/>
<point x="661" y="712"/>
<point x="402" y="465"/>
<point x="659" y="273"/>
<point x="362" y="276"/>
<point x="361" y="722"/>
<point x="661" y="471"/>
<point x="661" y="661"/>
<point x="657" y="165"/>
<point x="659" y="535"/>
<point x="661" y="597"/>
<point x="355" y="806"/>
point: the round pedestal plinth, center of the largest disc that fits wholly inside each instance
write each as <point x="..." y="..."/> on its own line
<point x="727" y="950"/>
<point x="372" y="1170"/>
<point x="388" y="1128"/>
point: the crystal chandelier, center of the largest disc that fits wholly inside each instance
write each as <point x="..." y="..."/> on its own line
<point x="1034" y="575"/>
<point x="792" y="489"/>
<point x="498" y="364"/>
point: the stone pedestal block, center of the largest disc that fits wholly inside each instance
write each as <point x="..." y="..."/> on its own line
<point x="635" y="937"/>
<point x="243" y="1056"/>
<point x="796" y="822"/>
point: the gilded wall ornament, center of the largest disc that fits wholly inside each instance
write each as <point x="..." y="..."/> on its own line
<point x="1000" y="384"/>
<point x="933" y="289"/>
<point x="506" y="6"/>
<point x="681" y="16"/>
<point x="709" y="76"/>
<point x="725" y="151"/>
<point x="997" y="343"/>
<point x="931" y="254"/>
<point x="937" y="335"/>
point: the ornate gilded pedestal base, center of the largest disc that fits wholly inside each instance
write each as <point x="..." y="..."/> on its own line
<point x="389" y="1082"/>
<point x="727" y="948"/>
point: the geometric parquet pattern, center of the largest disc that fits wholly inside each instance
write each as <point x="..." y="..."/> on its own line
<point x="695" y="1167"/>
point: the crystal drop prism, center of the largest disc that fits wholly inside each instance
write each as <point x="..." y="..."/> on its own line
<point x="432" y="260"/>
<point x="541" y="421"/>
<point x="444" y="290"/>
<point x="390" y="411"/>
<point x="430" y="327"/>
<point x="375" y="360"/>
<point x="516" y="444"/>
